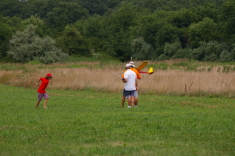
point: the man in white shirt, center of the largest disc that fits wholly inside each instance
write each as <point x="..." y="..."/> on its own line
<point x="130" y="80"/>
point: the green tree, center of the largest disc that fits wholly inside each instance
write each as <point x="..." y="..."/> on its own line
<point x="93" y="29"/>
<point x="118" y="26"/>
<point x="209" y="10"/>
<point x="184" y="18"/>
<point x="14" y="22"/>
<point x="8" y="25"/>
<point x="65" y="13"/>
<point x="96" y="6"/>
<point x="41" y="29"/>
<point x="5" y="34"/>
<point x="149" y="25"/>
<point x="203" y="31"/>
<point x="10" y="8"/>
<point x="26" y="46"/>
<point x="73" y="43"/>
<point x="167" y="34"/>
<point x="227" y="19"/>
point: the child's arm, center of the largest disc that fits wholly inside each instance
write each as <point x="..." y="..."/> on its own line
<point x="39" y="80"/>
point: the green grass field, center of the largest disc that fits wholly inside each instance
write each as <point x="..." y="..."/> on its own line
<point x="91" y="123"/>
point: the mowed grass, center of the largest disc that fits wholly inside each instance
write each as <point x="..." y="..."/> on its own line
<point x="91" y="123"/>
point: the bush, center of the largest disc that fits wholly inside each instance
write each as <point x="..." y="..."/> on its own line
<point x="210" y="51"/>
<point x="182" y="53"/>
<point x="141" y="50"/>
<point x="226" y="56"/>
<point x="170" y="49"/>
<point x="26" y="46"/>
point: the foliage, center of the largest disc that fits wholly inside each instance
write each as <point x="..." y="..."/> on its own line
<point x="118" y="27"/>
<point x="5" y="33"/>
<point x="14" y="22"/>
<point x="184" y="17"/>
<point x="41" y="29"/>
<point x="72" y="42"/>
<point x="93" y="28"/>
<point x="99" y="6"/>
<point x="141" y="50"/>
<point x="110" y="28"/>
<point x="226" y="56"/>
<point x="65" y="13"/>
<point x="227" y="18"/>
<point x="175" y="51"/>
<point x="211" y="51"/>
<point x="26" y="46"/>
<point x="204" y="30"/>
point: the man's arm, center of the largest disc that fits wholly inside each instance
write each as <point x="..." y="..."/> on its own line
<point x="136" y="84"/>
<point x="124" y="80"/>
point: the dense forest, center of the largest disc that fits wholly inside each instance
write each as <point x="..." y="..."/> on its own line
<point x="52" y="30"/>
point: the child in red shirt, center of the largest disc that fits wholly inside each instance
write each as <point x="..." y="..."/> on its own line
<point x="42" y="90"/>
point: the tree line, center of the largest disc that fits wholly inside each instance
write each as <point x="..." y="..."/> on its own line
<point x="52" y="30"/>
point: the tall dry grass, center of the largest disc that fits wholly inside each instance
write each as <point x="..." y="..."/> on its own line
<point x="100" y="79"/>
<point x="189" y="82"/>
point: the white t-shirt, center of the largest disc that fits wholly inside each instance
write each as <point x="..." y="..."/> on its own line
<point x="131" y="77"/>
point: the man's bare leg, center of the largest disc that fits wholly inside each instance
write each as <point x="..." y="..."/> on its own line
<point x="123" y="101"/>
<point x="129" y="102"/>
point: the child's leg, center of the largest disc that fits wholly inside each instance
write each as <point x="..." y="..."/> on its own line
<point x="136" y="97"/>
<point x="132" y="101"/>
<point x="136" y="101"/>
<point x="39" y="99"/>
<point x="37" y="103"/>
<point x="45" y="103"/>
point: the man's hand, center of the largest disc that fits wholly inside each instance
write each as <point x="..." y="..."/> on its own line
<point x="123" y="80"/>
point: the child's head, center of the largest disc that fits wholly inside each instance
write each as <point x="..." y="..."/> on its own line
<point x="49" y="76"/>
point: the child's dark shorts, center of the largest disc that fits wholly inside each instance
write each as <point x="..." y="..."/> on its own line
<point x="42" y="95"/>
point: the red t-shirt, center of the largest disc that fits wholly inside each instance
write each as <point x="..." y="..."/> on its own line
<point x="43" y="86"/>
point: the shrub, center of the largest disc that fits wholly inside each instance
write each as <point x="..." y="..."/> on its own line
<point x="210" y="51"/>
<point x="141" y="50"/>
<point x="226" y="56"/>
<point x="183" y="53"/>
<point x="26" y="46"/>
<point x="170" y="49"/>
